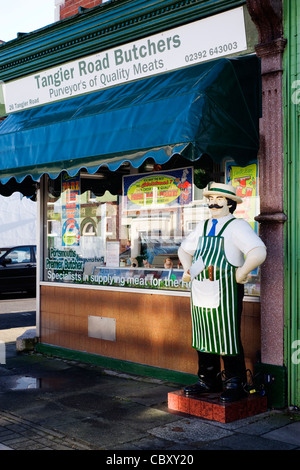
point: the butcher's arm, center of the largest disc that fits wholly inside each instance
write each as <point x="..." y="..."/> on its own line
<point x="186" y="260"/>
<point x="253" y="259"/>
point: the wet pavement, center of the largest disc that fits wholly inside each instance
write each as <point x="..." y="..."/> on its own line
<point x="49" y="403"/>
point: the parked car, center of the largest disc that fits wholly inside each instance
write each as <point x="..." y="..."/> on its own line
<point x="18" y="269"/>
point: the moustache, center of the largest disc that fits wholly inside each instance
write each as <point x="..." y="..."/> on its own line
<point x="215" y="206"/>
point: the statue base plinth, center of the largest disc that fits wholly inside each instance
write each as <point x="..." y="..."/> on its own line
<point x="208" y="406"/>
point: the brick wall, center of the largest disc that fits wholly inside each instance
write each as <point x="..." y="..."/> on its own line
<point x="70" y="7"/>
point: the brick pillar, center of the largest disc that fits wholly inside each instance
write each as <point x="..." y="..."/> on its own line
<point x="267" y="16"/>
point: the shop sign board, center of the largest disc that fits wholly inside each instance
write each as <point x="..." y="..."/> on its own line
<point x="203" y="40"/>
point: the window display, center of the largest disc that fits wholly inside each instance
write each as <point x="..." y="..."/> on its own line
<point x="123" y="229"/>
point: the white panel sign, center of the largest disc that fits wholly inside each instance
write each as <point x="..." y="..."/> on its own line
<point x="102" y="328"/>
<point x="196" y="42"/>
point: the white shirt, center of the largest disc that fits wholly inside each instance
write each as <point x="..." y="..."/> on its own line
<point x="239" y="239"/>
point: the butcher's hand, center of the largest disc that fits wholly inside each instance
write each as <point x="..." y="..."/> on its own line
<point x="240" y="276"/>
<point x="186" y="277"/>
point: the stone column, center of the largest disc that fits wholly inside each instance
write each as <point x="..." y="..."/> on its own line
<point x="267" y="16"/>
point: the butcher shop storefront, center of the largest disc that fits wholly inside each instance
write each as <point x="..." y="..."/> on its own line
<point x="118" y="145"/>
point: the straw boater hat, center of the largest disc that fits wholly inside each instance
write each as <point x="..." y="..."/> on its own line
<point x="220" y="189"/>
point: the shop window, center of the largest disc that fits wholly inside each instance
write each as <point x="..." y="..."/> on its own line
<point x="123" y="228"/>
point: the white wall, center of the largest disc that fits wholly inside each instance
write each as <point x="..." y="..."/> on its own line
<point x="18" y="219"/>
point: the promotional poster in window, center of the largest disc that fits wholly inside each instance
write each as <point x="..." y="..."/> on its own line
<point x="160" y="189"/>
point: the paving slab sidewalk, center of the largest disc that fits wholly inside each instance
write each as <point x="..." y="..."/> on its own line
<point x="48" y="403"/>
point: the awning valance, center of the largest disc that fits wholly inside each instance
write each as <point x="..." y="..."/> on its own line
<point x="212" y="108"/>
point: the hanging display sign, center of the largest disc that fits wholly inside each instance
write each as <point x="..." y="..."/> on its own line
<point x="161" y="189"/>
<point x="70" y="210"/>
<point x="209" y="38"/>
<point x="245" y="180"/>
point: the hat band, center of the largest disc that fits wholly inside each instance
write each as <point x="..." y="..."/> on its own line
<point x="222" y="191"/>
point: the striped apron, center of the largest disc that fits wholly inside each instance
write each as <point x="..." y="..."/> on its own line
<point x="214" y="299"/>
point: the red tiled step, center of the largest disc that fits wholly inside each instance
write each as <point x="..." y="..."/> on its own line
<point x="208" y="406"/>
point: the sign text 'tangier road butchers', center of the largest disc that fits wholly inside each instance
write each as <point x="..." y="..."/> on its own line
<point x="206" y="39"/>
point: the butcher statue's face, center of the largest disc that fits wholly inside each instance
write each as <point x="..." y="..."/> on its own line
<point x="218" y="206"/>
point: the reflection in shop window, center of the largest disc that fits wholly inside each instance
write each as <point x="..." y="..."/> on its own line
<point x="121" y="229"/>
<point x="88" y="229"/>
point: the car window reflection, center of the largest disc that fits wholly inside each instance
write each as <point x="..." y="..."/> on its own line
<point x="18" y="256"/>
